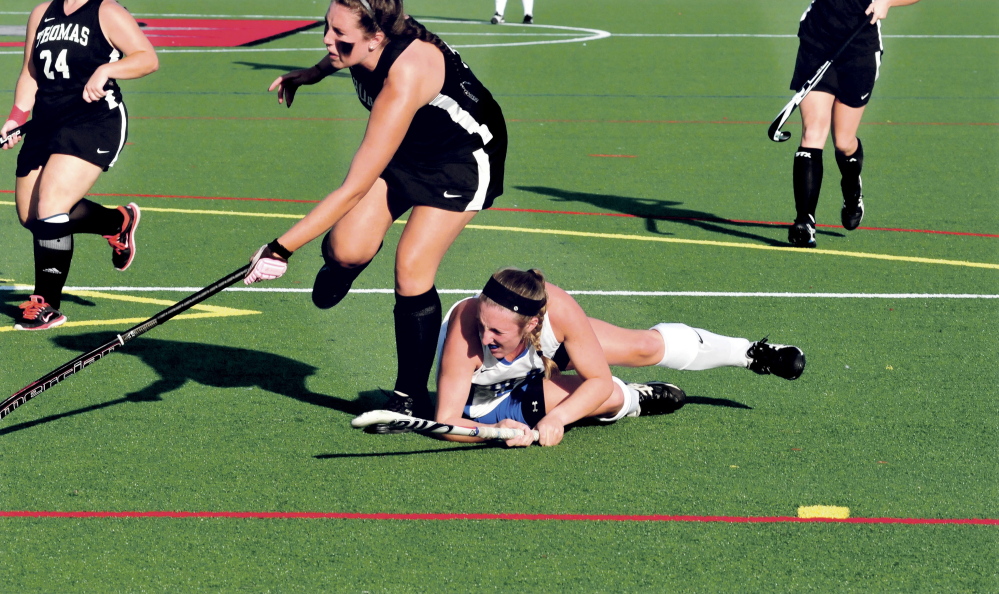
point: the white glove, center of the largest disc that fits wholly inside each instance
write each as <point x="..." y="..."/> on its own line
<point x="265" y="265"/>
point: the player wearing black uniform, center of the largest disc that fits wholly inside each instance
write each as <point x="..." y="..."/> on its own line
<point x="435" y="143"/>
<point x="835" y="104"/>
<point x="72" y="57"/>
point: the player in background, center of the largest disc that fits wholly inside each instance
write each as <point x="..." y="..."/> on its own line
<point x="435" y="143"/>
<point x="836" y="104"/>
<point x="74" y="52"/>
<point x="501" y="9"/>
<point x="499" y="355"/>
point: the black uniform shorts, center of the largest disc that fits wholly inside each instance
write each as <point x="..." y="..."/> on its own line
<point x="469" y="182"/>
<point x="851" y="79"/>
<point x="97" y="140"/>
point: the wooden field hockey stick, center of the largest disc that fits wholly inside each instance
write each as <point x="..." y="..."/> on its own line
<point x="85" y="360"/>
<point x="406" y="422"/>
<point x="774" y="132"/>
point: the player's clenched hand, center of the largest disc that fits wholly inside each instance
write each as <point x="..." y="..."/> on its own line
<point x="94" y="91"/>
<point x="265" y="265"/>
<point x="518" y="442"/>
<point x="287" y="84"/>
<point x="549" y="432"/>
<point x="7" y="127"/>
<point x="878" y="10"/>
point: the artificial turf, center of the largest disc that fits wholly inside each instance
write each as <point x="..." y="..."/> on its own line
<point x="895" y="416"/>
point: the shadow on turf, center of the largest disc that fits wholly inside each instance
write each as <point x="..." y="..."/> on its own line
<point x="663" y="210"/>
<point x="177" y="362"/>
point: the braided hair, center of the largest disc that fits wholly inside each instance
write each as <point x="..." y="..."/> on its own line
<point x="388" y="16"/>
<point x="529" y="284"/>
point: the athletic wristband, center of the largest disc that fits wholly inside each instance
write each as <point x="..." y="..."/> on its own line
<point x="18" y="115"/>
<point x="279" y="249"/>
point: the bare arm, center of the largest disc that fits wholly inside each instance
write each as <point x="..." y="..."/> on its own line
<point x="27" y="85"/>
<point x="879" y="8"/>
<point x="287" y="84"/>
<point x="123" y="33"/>
<point x="461" y="356"/>
<point x="407" y="88"/>
<point x="588" y="359"/>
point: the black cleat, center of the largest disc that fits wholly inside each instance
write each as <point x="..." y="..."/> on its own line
<point x="853" y="211"/>
<point x="325" y="291"/>
<point x="404" y="405"/>
<point x="658" y="398"/>
<point x="802" y="233"/>
<point x="528" y="19"/>
<point x="781" y="360"/>
<point x="497" y="19"/>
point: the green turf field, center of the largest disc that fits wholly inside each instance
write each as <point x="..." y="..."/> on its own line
<point x="246" y="408"/>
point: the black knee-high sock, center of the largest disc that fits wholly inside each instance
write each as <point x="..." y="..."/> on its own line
<point x="417" y="325"/>
<point x="807" y="182"/>
<point x="90" y="217"/>
<point x="850" y="167"/>
<point x="53" y="248"/>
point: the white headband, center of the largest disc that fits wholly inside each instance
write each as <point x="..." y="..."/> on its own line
<point x="367" y="8"/>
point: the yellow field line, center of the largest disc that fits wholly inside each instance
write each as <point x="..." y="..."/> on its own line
<point x="211" y="311"/>
<point x="745" y="246"/>
<point x="748" y="246"/>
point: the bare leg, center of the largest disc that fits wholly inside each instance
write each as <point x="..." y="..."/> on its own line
<point x="629" y="348"/>
<point x="428" y="235"/>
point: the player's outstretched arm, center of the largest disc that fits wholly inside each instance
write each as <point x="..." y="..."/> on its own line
<point x="287" y="85"/>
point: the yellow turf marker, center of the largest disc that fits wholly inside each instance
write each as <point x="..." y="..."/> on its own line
<point x="212" y="311"/>
<point x="265" y="215"/>
<point x="746" y="246"/>
<point x="823" y="511"/>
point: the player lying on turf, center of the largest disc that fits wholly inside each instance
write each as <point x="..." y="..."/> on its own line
<point x="499" y="357"/>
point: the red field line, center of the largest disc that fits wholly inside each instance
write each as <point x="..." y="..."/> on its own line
<point x="557" y="121"/>
<point x="560" y="212"/>
<point x="520" y="517"/>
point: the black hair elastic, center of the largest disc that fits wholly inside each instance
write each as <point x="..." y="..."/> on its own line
<point x="511" y="300"/>
<point x="279" y="249"/>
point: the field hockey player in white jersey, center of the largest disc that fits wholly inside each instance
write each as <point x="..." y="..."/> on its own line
<point x="74" y="53"/>
<point x="835" y="104"/>
<point x="500" y="354"/>
<point x="435" y="145"/>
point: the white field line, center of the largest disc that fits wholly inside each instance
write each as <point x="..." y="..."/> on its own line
<point x="571" y="292"/>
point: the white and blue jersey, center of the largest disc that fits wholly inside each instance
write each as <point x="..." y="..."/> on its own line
<point x="504" y="389"/>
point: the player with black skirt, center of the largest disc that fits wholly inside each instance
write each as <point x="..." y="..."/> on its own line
<point x="435" y="145"/>
<point x="74" y="52"/>
<point x="835" y="104"/>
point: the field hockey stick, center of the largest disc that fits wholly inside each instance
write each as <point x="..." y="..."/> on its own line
<point x="400" y="421"/>
<point x="19" y="131"/>
<point x="774" y="132"/>
<point x="85" y="360"/>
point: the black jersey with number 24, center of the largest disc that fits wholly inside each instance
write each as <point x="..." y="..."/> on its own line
<point x="67" y="50"/>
